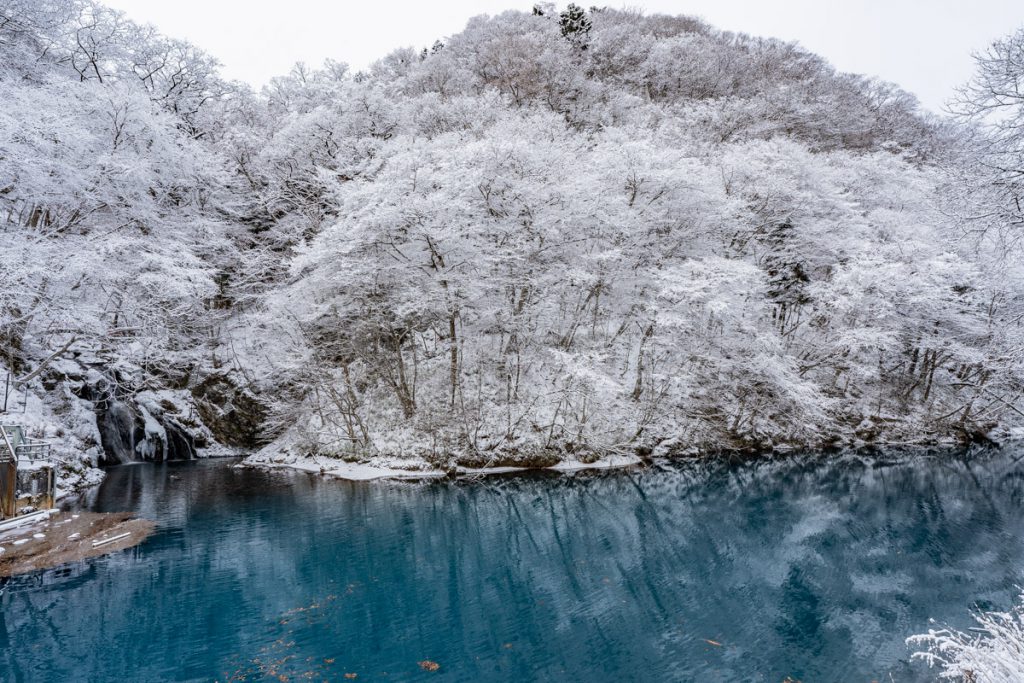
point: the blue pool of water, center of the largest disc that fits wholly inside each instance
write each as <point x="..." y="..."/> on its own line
<point x="805" y="568"/>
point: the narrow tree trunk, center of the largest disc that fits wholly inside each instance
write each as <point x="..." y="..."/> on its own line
<point x="638" y="387"/>
<point x="453" y="368"/>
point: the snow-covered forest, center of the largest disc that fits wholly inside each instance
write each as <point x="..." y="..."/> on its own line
<point x="558" y="234"/>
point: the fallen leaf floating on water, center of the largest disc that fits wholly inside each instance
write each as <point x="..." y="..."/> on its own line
<point x="351" y="675"/>
<point x="428" y="665"/>
<point x="713" y="642"/>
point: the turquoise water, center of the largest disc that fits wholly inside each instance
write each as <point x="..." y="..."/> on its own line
<point x="799" y="568"/>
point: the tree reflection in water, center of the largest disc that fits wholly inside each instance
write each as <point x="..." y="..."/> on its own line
<point x="804" y="567"/>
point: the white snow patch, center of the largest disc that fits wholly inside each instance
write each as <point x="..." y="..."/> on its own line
<point x="414" y="469"/>
<point x="353" y="471"/>
<point x="605" y="463"/>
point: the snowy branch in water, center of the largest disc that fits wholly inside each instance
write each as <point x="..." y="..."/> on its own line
<point x="992" y="652"/>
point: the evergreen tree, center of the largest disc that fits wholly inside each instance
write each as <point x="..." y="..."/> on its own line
<point x="575" y="25"/>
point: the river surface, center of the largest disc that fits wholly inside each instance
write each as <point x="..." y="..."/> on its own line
<point x="805" y="568"/>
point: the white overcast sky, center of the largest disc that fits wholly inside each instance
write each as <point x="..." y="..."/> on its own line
<point x="923" y="45"/>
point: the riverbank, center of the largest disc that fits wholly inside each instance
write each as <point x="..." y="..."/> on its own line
<point x="67" y="537"/>
<point x="388" y="468"/>
<point x="392" y="467"/>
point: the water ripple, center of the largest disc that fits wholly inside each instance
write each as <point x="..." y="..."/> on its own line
<point x="710" y="572"/>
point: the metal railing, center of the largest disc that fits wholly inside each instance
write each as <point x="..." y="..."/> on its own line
<point x="30" y="487"/>
<point x="9" y="435"/>
<point x="21" y="446"/>
<point x="33" y="486"/>
<point x="32" y="449"/>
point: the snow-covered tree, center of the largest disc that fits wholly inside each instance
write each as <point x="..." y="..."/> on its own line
<point x="553" y="235"/>
<point x="994" y="100"/>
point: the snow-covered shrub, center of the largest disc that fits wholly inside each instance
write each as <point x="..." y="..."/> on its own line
<point x="991" y="652"/>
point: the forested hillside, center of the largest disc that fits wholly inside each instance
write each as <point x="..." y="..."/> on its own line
<point x="554" y="235"/>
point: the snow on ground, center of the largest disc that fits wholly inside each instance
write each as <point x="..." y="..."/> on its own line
<point x="394" y="468"/>
<point x="68" y="424"/>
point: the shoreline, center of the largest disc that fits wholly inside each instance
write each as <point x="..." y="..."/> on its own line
<point x="351" y="471"/>
<point x="60" y="538"/>
<point x="417" y="469"/>
<point x="399" y="469"/>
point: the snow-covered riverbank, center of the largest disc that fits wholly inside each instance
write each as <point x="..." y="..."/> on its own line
<point x="394" y="468"/>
